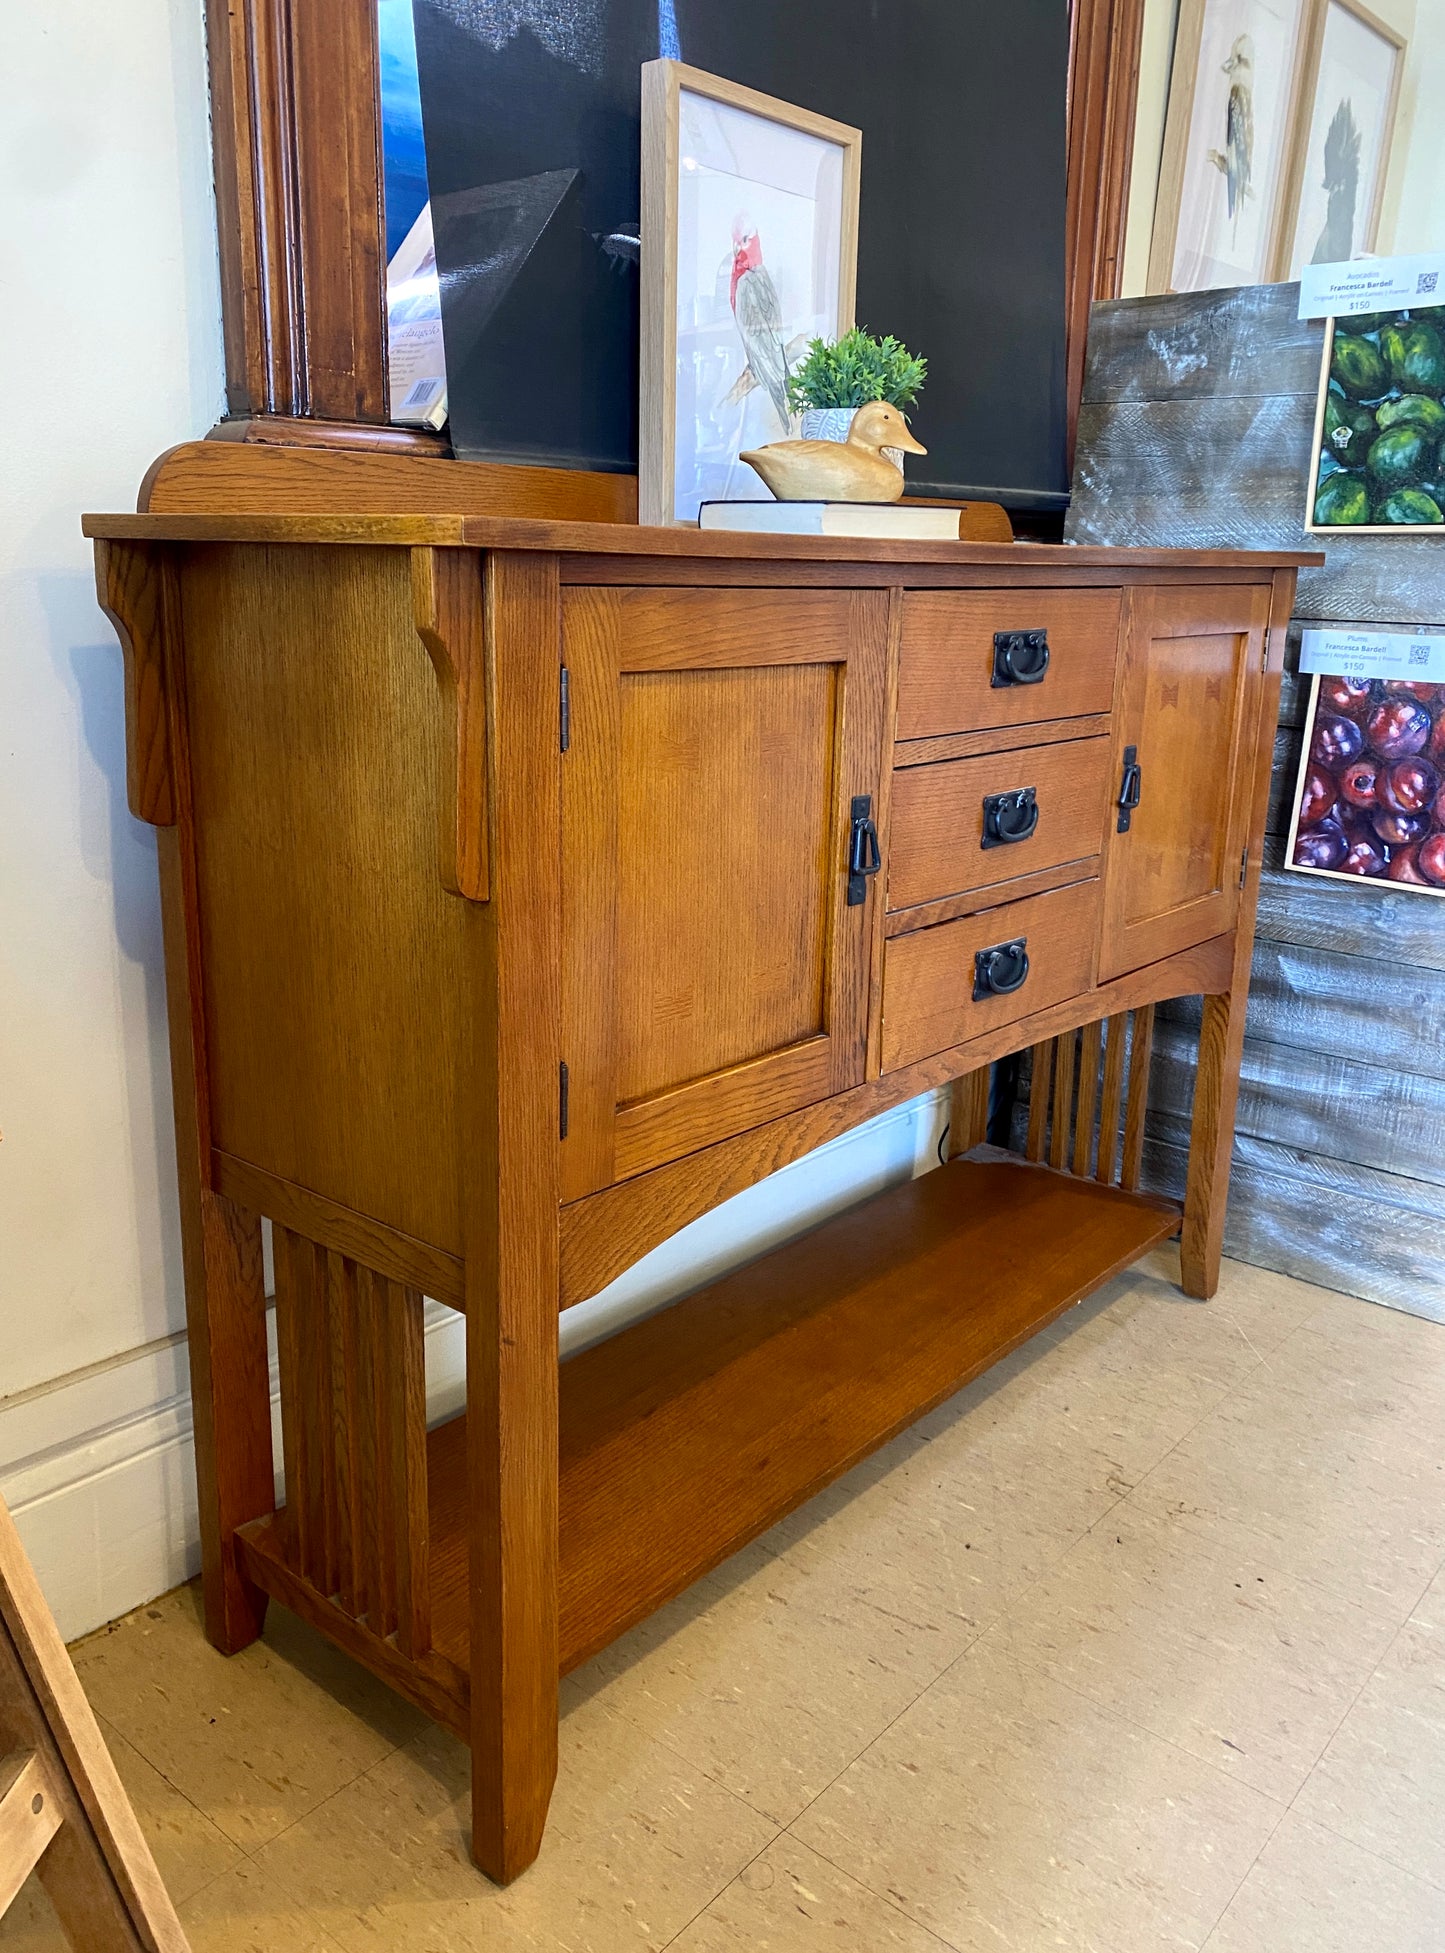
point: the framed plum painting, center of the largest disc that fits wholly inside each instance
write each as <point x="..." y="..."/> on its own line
<point x="1370" y="798"/>
<point x="749" y="251"/>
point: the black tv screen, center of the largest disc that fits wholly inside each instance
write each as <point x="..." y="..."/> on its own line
<point x="531" y="115"/>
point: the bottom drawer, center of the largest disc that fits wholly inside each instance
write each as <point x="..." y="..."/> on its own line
<point x="931" y="977"/>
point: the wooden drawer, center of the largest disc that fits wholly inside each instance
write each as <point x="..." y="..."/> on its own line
<point x="946" y="670"/>
<point x="944" y="839"/>
<point x="929" y="976"/>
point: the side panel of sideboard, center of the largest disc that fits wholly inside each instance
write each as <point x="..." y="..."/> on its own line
<point x="332" y="958"/>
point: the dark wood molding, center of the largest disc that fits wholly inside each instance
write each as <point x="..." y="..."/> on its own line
<point x="296" y="139"/>
<point x="1103" y="95"/>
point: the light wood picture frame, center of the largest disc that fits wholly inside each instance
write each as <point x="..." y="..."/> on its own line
<point x="1234" y="94"/>
<point x="1391" y="387"/>
<point x="1301" y="213"/>
<point x="733" y="318"/>
<point x="1390" y="873"/>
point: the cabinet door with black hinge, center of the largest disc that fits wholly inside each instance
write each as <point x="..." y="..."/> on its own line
<point x="1184" y="739"/>
<point x="715" y="971"/>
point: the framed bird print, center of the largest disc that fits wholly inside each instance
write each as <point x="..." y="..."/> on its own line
<point x="1337" y="180"/>
<point x="749" y="252"/>
<point x="1233" y="92"/>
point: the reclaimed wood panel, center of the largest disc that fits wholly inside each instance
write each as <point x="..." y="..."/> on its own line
<point x="1348" y="1227"/>
<point x="1197" y="427"/>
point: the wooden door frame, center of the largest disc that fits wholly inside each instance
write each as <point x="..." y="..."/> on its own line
<point x="1104" y="42"/>
<point x="296" y="136"/>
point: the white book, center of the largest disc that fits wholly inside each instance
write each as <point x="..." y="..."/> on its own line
<point x="902" y="521"/>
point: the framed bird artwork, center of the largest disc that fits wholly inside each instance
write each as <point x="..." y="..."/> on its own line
<point x="1228" y="142"/>
<point x="1354" y="66"/>
<point x="749" y="252"/>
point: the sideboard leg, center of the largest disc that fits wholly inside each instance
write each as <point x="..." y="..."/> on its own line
<point x="510" y="1193"/>
<point x="1211" y="1140"/>
<point x="225" y="1311"/>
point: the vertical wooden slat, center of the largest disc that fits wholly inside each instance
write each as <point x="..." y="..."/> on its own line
<point x="1140" y="1052"/>
<point x="1111" y="1111"/>
<point x="286" y="1248"/>
<point x="347" y="1413"/>
<point x="307" y="1439"/>
<point x="404" y="1383"/>
<point x="968" y="1112"/>
<point x="1040" y="1072"/>
<point x="1091" y="1047"/>
<point x="374" y="1455"/>
<point x="1063" y="1098"/>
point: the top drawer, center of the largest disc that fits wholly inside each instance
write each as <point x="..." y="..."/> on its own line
<point x="950" y="681"/>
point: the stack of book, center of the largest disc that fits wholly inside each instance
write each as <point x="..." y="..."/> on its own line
<point x="900" y="521"/>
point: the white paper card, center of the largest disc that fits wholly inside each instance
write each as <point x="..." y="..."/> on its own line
<point x="1328" y="291"/>
<point x="1375" y="654"/>
<point x="416" y="356"/>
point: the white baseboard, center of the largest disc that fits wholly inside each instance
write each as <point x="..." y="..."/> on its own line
<point x="99" y="1471"/>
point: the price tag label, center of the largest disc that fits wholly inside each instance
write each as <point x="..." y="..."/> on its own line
<point x="1375" y="654"/>
<point x="1330" y="291"/>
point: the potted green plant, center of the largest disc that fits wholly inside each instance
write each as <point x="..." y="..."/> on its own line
<point x="834" y="381"/>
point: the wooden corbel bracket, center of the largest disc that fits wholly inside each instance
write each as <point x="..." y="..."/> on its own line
<point x="135" y="588"/>
<point x="446" y="586"/>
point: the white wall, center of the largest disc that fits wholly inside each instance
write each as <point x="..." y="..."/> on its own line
<point x="110" y="340"/>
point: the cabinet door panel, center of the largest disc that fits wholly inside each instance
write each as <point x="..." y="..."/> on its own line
<point x="714" y="974"/>
<point x="1188" y="705"/>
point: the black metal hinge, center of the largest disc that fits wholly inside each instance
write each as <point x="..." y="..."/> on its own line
<point x="564" y="711"/>
<point x="562" y="1085"/>
<point x="1243" y="867"/>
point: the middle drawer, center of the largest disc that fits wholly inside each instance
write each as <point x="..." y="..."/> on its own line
<point x="965" y="824"/>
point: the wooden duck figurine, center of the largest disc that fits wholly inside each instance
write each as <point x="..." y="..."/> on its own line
<point x="840" y="471"/>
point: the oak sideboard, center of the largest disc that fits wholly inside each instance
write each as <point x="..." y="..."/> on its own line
<point x="529" y="888"/>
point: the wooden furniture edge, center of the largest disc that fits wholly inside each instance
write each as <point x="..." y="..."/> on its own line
<point x="628" y="539"/>
<point x="1221" y="1031"/>
<point x="433" y="1681"/>
<point x="400" y="1257"/>
<point x="605" y="1233"/>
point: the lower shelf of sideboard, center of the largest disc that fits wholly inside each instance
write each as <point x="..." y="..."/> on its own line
<point x="691" y="1432"/>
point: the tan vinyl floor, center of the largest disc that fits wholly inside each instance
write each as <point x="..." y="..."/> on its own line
<point x="1137" y="1644"/>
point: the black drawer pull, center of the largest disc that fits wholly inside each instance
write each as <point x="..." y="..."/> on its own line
<point x="1129" y="787"/>
<point x="999" y="971"/>
<point x="864" y="858"/>
<point x="1009" y="817"/>
<point x="1020" y="657"/>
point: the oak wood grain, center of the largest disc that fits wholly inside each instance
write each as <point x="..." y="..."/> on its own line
<point x="937" y="834"/>
<point x="201" y="477"/>
<point x="509" y="1171"/>
<point x="446" y="588"/>
<point x="696" y="1429"/>
<point x="604" y="1234"/>
<point x="1190" y="689"/>
<point x="606" y="539"/>
<point x="945" y="678"/>
<point x="315" y="762"/>
<point x="928" y="1002"/>
<point x="135" y="588"/>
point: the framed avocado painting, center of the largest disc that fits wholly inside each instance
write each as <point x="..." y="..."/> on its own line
<point x="1378" y="460"/>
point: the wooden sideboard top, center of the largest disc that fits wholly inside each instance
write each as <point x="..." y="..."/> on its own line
<point x="632" y="539"/>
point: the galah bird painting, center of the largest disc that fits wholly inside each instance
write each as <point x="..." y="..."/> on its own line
<point x="759" y="317"/>
<point x="1236" y="160"/>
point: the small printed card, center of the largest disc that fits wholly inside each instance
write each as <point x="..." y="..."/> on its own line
<point x="1375" y="654"/>
<point x="1335" y="291"/>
